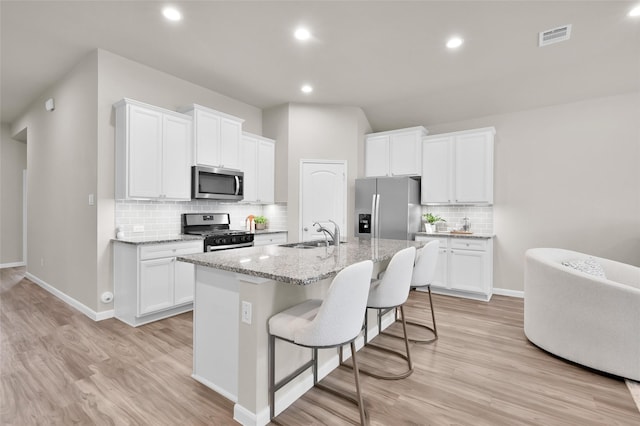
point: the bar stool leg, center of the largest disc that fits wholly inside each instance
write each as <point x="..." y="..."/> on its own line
<point x="272" y="375"/>
<point x="356" y="376"/>
<point x="406" y="338"/>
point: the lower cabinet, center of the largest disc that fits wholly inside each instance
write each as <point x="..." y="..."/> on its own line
<point x="270" y="238"/>
<point x="465" y="267"/>
<point x="150" y="284"/>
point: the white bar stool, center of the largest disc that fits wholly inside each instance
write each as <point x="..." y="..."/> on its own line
<point x="390" y="292"/>
<point x="423" y="273"/>
<point x="333" y="322"/>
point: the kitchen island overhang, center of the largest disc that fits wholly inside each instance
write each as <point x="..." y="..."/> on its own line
<point x="230" y="347"/>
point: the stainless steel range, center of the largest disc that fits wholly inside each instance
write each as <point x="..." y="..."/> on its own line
<point x="215" y="227"/>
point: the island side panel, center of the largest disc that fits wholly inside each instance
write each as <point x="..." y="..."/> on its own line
<point x="215" y="331"/>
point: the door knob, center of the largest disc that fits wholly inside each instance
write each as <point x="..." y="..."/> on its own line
<point x="306" y="229"/>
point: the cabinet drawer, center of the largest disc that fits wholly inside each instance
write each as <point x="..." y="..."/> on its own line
<point x="444" y="242"/>
<point x="266" y="239"/>
<point x="468" y="244"/>
<point x="157" y="251"/>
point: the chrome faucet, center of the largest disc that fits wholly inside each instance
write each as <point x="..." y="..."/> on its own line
<point x="335" y="236"/>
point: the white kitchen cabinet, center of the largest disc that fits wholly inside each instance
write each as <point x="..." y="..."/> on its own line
<point x="257" y="156"/>
<point x="457" y="168"/>
<point x="149" y="283"/>
<point x="153" y="152"/>
<point x="465" y="267"/>
<point x="395" y="152"/>
<point x="270" y="238"/>
<point x="216" y="137"/>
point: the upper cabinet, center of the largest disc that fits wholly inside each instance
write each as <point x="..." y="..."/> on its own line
<point x="257" y="161"/>
<point x="216" y="137"/>
<point x="153" y="152"/>
<point x="394" y="153"/>
<point x="457" y="168"/>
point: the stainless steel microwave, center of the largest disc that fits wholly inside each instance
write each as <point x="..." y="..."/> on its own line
<point x="214" y="183"/>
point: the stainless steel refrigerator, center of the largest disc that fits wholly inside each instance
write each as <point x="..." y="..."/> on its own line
<point x="388" y="207"/>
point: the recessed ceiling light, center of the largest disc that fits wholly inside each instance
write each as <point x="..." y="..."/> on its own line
<point x="302" y="34"/>
<point x="635" y="11"/>
<point x="454" y="42"/>
<point x="172" y="14"/>
<point x="306" y="89"/>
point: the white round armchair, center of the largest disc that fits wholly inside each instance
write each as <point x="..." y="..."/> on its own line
<point x="591" y="318"/>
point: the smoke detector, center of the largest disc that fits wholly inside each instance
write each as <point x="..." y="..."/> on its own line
<point x="554" y="35"/>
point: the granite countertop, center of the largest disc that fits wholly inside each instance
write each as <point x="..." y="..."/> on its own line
<point x="158" y="240"/>
<point x="299" y="266"/>
<point x="449" y="234"/>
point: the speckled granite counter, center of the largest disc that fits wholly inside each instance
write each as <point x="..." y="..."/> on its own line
<point x="449" y="234"/>
<point x="158" y="240"/>
<point x="299" y="266"/>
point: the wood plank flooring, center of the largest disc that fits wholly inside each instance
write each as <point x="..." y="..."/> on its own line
<point x="58" y="367"/>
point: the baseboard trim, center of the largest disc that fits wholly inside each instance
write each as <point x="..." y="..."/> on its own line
<point x="247" y="418"/>
<point x="507" y="292"/>
<point x="96" y="316"/>
<point x="217" y="389"/>
<point x="12" y="265"/>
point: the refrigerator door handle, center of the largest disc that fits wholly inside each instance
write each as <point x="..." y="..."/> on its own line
<point x="373" y="215"/>
<point x="377" y="218"/>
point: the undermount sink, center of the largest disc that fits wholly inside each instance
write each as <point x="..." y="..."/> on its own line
<point x="308" y="244"/>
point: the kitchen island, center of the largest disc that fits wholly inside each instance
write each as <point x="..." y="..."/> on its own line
<point x="236" y="293"/>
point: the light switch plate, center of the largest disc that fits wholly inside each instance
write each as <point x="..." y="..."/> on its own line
<point x="246" y="312"/>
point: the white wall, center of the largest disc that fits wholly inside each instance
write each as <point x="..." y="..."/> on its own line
<point x="62" y="162"/>
<point x="315" y="132"/>
<point x="13" y="160"/>
<point x="565" y="176"/>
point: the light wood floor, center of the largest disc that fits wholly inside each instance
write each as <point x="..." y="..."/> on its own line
<point x="59" y="368"/>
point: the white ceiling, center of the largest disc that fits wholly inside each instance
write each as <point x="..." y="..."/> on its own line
<point x="387" y="57"/>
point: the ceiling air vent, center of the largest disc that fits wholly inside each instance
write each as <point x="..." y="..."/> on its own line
<point x="554" y="35"/>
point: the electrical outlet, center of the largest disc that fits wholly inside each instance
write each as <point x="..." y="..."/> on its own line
<point x="246" y="312"/>
<point x="92" y="200"/>
<point x="138" y="228"/>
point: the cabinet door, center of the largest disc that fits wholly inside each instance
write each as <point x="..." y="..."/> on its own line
<point x="266" y="172"/>
<point x="474" y="168"/>
<point x="176" y="176"/>
<point x="467" y="271"/>
<point x="207" y="139"/>
<point x="185" y="281"/>
<point x="144" y="153"/>
<point x="230" y="135"/>
<point x="436" y="170"/>
<point x="405" y="154"/>
<point x="156" y="285"/>
<point x="249" y="165"/>
<point x="376" y="156"/>
<point x="440" y="277"/>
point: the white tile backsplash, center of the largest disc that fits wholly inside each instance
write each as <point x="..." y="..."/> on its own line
<point x="162" y="218"/>
<point x="481" y="216"/>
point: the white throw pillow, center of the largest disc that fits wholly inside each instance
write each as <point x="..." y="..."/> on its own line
<point x="588" y="266"/>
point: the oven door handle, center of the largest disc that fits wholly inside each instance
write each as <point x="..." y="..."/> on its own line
<point x="228" y="246"/>
<point x="237" y="185"/>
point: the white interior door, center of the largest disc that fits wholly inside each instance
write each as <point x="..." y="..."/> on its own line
<point x="323" y="197"/>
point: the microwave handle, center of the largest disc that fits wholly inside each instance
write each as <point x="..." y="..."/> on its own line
<point x="237" y="185"/>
